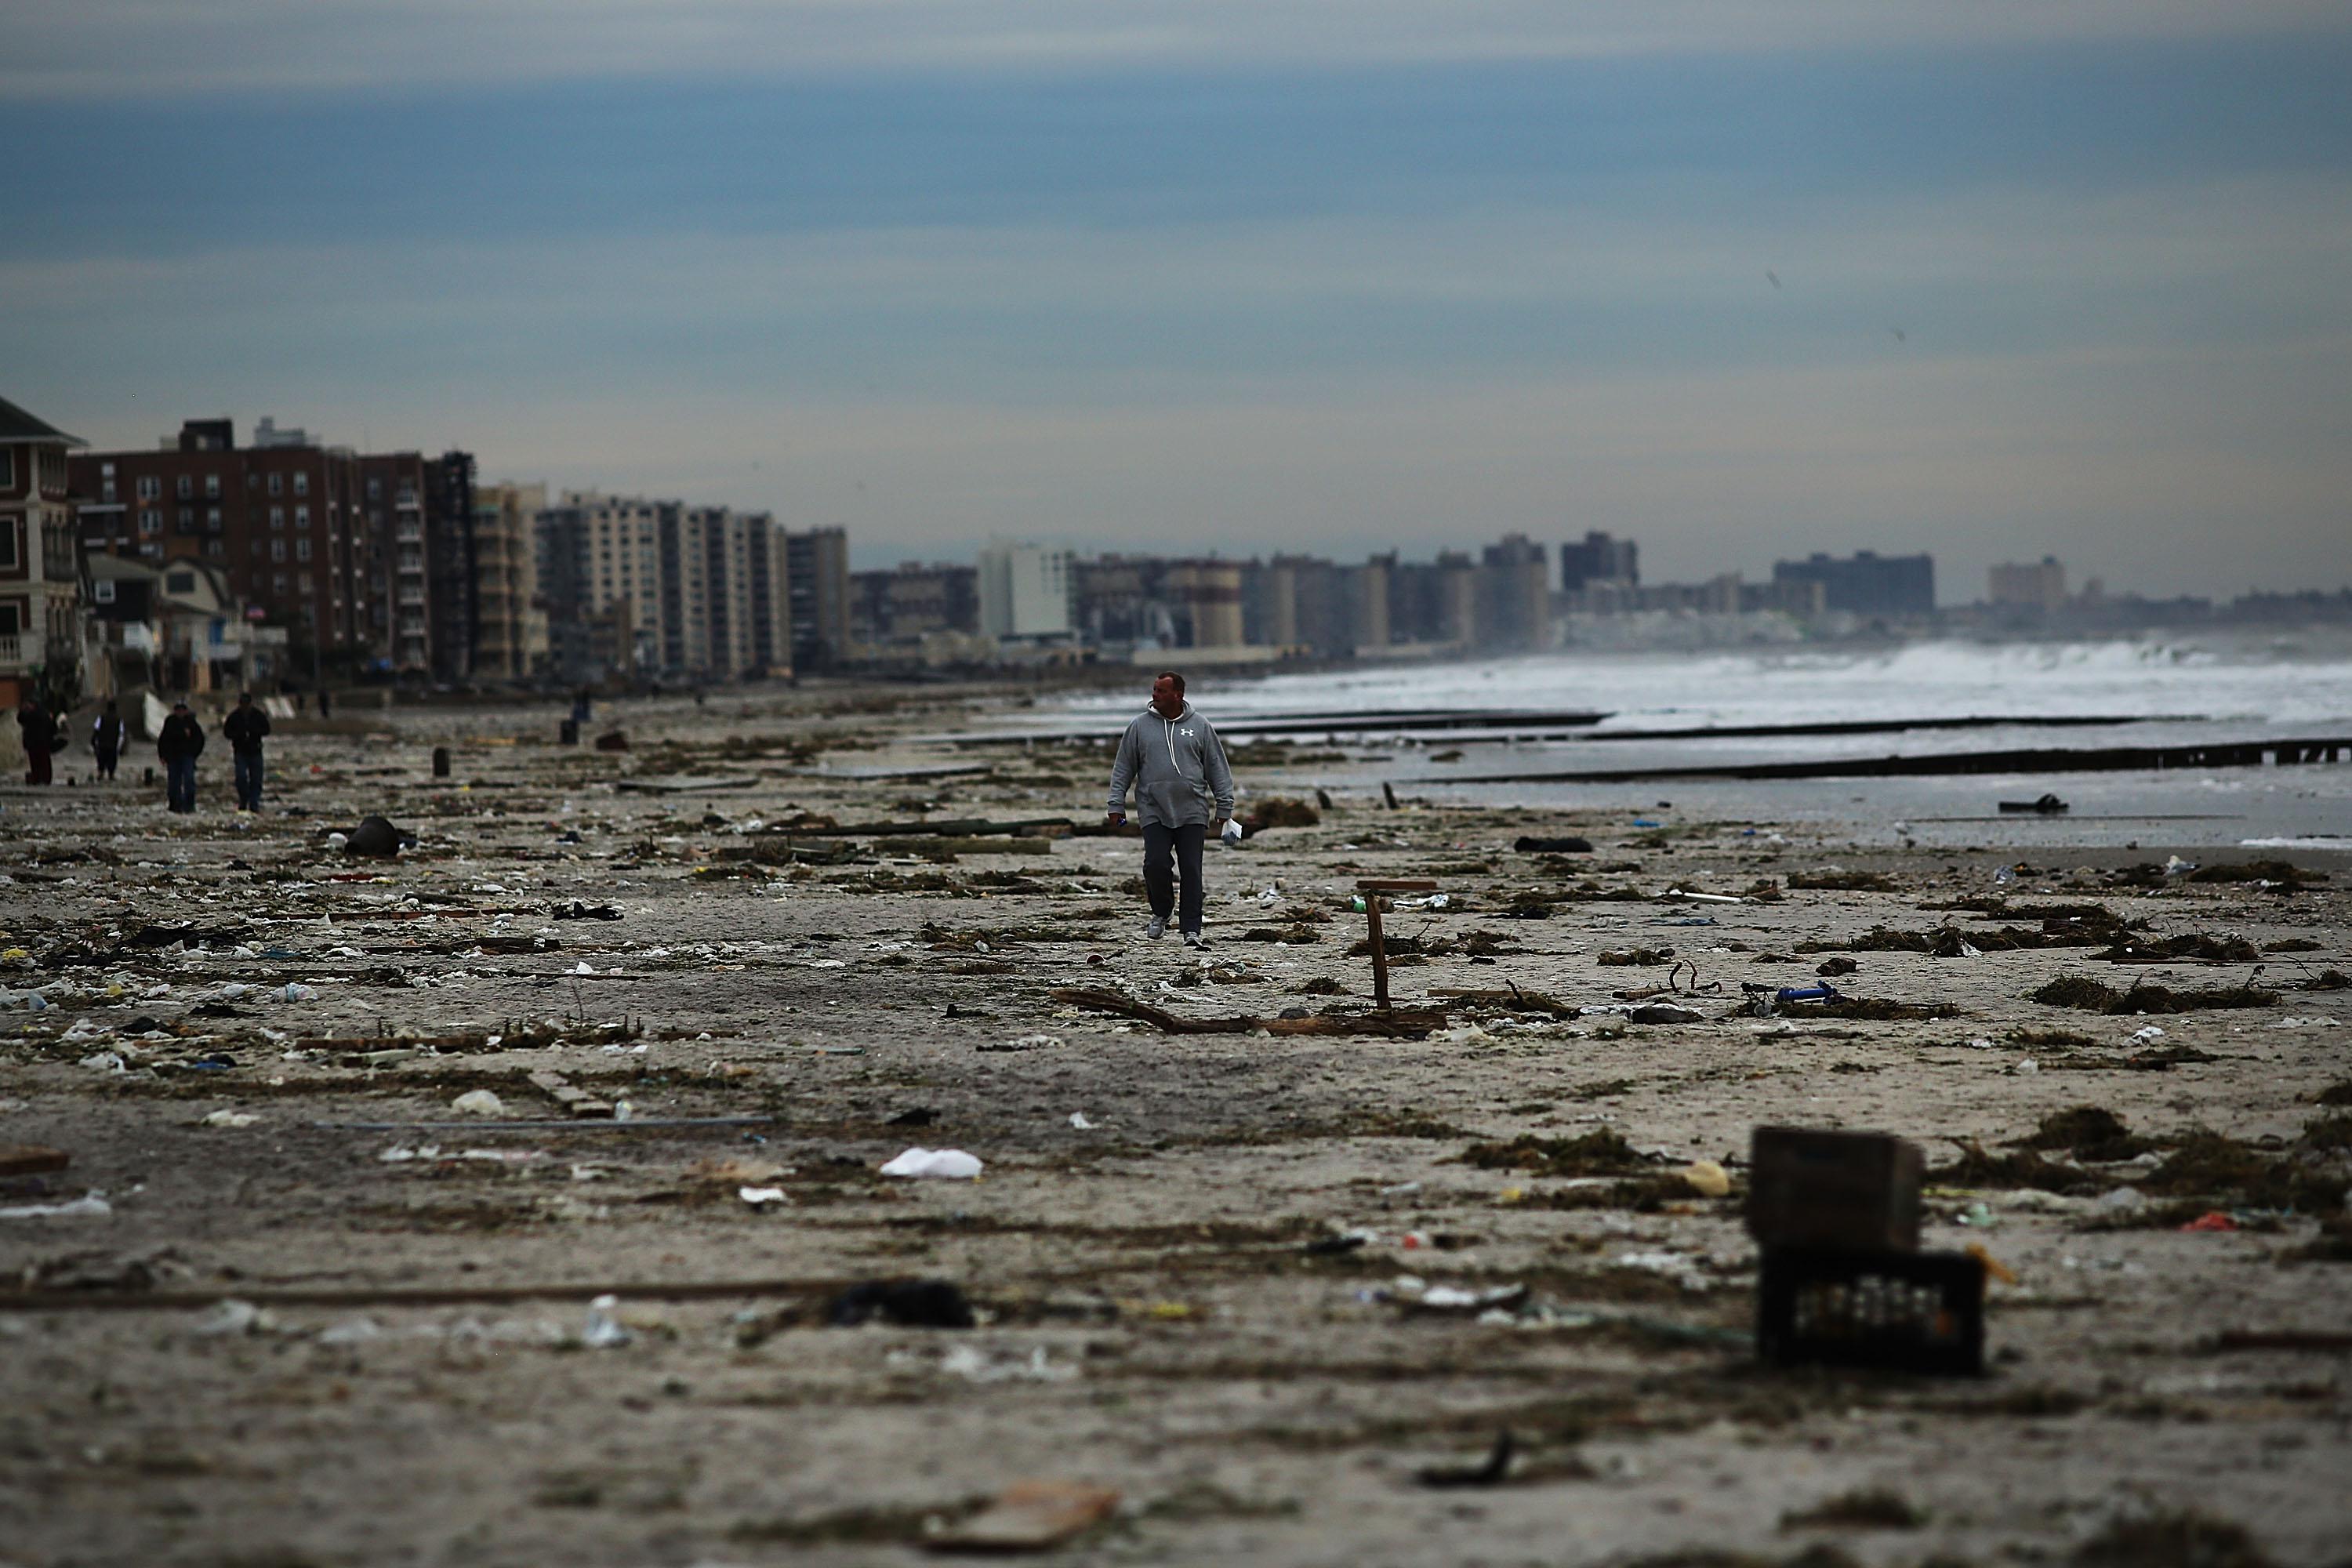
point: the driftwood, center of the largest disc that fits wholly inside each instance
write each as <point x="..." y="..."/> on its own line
<point x="951" y="828"/>
<point x="1407" y="1025"/>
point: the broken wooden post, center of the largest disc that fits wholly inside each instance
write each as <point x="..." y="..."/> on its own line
<point x="1372" y="887"/>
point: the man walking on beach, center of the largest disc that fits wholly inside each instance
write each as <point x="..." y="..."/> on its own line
<point x="40" y="739"/>
<point x="245" y="730"/>
<point x="182" y="742"/>
<point x="1184" y="791"/>
<point x="106" y="739"/>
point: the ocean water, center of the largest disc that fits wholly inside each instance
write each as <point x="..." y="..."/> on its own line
<point x="2174" y="690"/>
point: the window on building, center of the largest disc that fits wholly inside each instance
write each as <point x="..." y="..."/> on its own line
<point x="150" y="486"/>
<point x="310" y="615"/>
<point x="216" y="548"/>
<point x="212" y="520"/>
<point x="150" y="520"/>
<point x="276" y="483"/>
<point x="306" y="583"/>
<point x="106" y="490"/>
<point x="302" y="517"/>
<point x="301" y="550"/>
<point x="152" y="550"/>
<point x="277" y="517"/>
<point x="179" y="581"/>
<point x="375" y="489"/>
<point x="12" y="620"/>
<point x="303" y="483"/>
<point x="185" y="485"/>
<point x="101" y="591"/>
<point x="212" y="487"/>
<point x="10" y="555"/>
<point x="277" y="584"/>
<point x="106" y="471"/>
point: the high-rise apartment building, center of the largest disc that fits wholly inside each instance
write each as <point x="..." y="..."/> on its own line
<point x="510" y="623"/>
<point x="1868" y="585"/>
<point x="2041" y="586"/>
<point x="1024" y="591"/>
<point x="704" y="592"/>
<point x="817" y="586"/>
<point x="911" y="602"/>
<point x="1515" y="593"/>
<point x="1598" y="559"/>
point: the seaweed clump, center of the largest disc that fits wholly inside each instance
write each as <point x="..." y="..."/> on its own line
<point x="1602" y="1151"/>
<point x="2086" y="1132"/>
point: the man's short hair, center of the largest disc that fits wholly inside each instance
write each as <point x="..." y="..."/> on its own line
<point x="244" y="697"/>
<point x="1170" y="674"/>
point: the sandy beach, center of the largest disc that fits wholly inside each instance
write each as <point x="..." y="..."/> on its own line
<point x="292" y="1305"/>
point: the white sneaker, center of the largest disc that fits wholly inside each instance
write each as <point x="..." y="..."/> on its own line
<point x="1193" y="939"/>
<point x="1158" y="928"/>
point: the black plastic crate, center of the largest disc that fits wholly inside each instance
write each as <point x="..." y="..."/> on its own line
<point x="1915" y="1311"/>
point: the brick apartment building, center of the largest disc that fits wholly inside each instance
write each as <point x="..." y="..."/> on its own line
<point x="336" y="546"/>
<point x="282" y="520"/>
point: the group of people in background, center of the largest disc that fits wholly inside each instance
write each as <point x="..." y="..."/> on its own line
<point x="177" y="746"/>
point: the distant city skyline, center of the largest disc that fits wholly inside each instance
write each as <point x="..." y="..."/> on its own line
<point x="1740" y="283"/>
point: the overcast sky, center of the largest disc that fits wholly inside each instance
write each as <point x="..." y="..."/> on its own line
<point x="1738" y="280"/>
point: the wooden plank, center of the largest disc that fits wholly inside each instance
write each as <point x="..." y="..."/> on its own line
<point x="32" y="1160"/>
<point x="1030" y="1516"/>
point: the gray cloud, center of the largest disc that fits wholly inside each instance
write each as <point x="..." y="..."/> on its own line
<point x="79" y="48"/>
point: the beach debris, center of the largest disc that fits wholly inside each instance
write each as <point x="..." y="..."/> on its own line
<point x="1022" y="1043"/>
<point x="2041" y="806"/>
<point x="759" y="1197"/>
<point x="1489" y="1471"/>
<point x="603" y="1330"/>
<point x="478" y="1103"/>
<point x="944" y="1164"/>
<point x="1029" y="1516"/>
<point x="1401" y="1023"/>
<point x="231" y="1119"/>
<point x="89" y="1205"/>
<point x="1707" y="1178"/>
<point x="901" y="1303"/>
<point x="1664" y="1013"/>
<point x="1530" y="844"/>
<point x="375" y="839"/>
<point x="32" y="1160"/>
<point x="1809" y="1187"/>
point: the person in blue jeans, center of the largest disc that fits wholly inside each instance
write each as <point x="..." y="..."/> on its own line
<point x="245" y="729"/>
<point x="1183" y="792"/>
<point x="178" y="747"/>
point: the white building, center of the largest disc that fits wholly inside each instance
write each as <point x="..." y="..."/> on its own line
<point x="1024" y="591"/>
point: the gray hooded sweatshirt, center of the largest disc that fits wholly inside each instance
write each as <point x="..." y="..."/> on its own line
<point x="1177" y="766"/>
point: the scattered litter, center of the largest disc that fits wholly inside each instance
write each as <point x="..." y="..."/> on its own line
<point x="2213" y="1220"/>
<point x="1079" y="1119"/>
<point x="1707" y="1178"/>
<point x="1025" y="1042"/>
<point x="950" y="1164"/>
<point x="231" y="1119"/>
<point x="92" y="1206"/>
<point x="231" y="1317"/>
<point x="977" y="1365"/>
<point x="1029" y="1516"/>
<point x="760" y="1196"/>
<point x="603" y="1330"/>
<point x="1489" y="1471"/>
<point x="901" y="1303"/>
<point x="478" y="1103"/>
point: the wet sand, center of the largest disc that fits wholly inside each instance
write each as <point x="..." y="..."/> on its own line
<point x="1164" y="1307"/>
